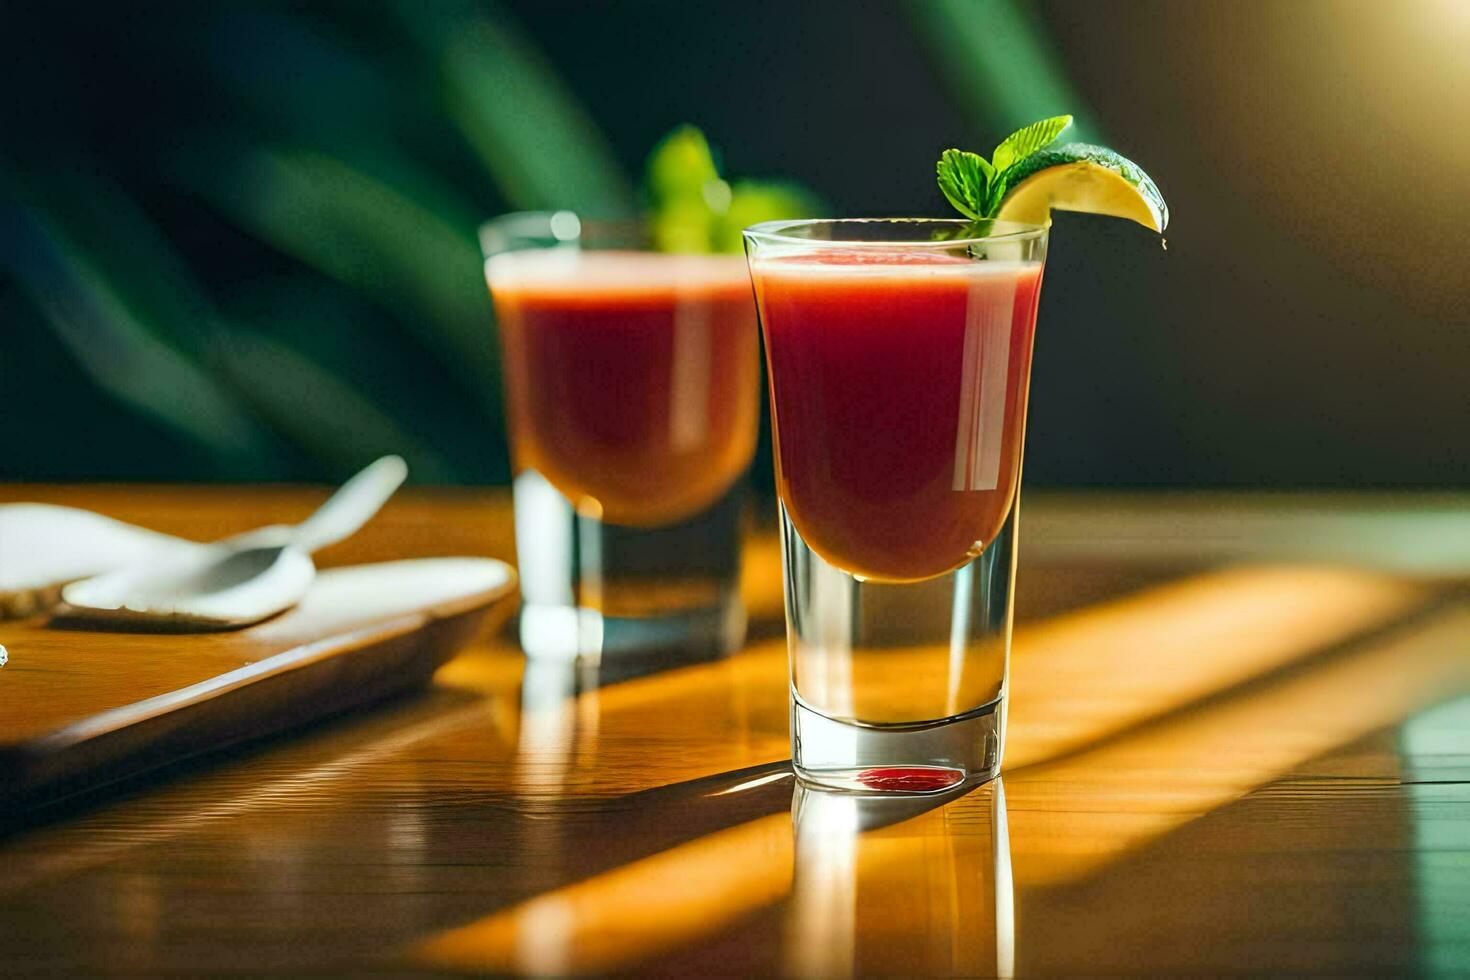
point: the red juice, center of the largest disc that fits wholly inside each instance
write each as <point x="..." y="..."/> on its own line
<point x="632" y="378"/>
<point x="898" y="395"/>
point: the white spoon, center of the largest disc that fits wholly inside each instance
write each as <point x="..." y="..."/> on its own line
<point x="237" y="581"/>
<point x="44" y="546"/>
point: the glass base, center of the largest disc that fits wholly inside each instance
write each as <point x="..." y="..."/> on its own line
<point x="596" y="591"/>
<point x="932" y="757"/>
<point x="572" y="633"/>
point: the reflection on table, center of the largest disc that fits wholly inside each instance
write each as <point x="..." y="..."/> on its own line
<point x="1211" y="766"/>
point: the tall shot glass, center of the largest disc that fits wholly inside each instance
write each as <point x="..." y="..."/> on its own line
<point x="632" y="391"/>
<point x="899" y="355"/>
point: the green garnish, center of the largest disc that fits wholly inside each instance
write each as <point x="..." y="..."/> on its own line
<point x="975" y="185"/>
<point x="1029" y="176"/>
<point x="693" y="209"/>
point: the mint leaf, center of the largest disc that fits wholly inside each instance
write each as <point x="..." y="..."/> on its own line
<point x="996" y="195"/>
<point x="1027" y="140"/>
<point x="754" y="201"/>
<point x="681" y="165"/>
<point x="965" y="179"/>
<point x="685" y="192"/>
<point x="976" y="186"/>
<point x="692" y="209"/>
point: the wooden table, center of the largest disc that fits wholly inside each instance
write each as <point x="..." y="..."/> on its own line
<point x="1239" y="742"/>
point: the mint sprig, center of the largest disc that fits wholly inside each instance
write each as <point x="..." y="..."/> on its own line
<point x="975" y="185"/>
<point x="693" y="209"/>
<point x="965" y="179"/>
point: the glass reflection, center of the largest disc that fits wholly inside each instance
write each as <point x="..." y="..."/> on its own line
<point x="564" y="704"/>
<point x="901" y="885"/>
<point x="555" y="720"/>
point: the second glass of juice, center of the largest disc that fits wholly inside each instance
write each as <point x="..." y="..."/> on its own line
<point x="632" y="390"/>
<point x="900" y="358"/>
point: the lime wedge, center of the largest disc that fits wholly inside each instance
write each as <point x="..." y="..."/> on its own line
<point x="1081" y="177"/>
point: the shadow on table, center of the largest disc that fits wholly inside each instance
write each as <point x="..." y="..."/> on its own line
<point x="1274" y="682"/>
<point x="558" y="812"/>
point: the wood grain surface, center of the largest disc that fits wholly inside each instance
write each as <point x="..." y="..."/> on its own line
<point x="1220" y="760"/>
<point x="91" y="705"/>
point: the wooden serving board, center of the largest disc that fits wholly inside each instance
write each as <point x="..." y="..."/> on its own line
<point x="80" y="707"/>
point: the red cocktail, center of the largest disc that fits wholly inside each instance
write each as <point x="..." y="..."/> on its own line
<point x="632" y="390"/>
<point x="898" y="388"/>
<point x="900" y="359"/>
<point x="631" y="377"/>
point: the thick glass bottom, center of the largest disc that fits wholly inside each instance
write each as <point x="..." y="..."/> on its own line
<point x="931" y="757"/>
<point x="898" y="687"/>
<point x="592" y="590"/>
<point x="558" y="632"/>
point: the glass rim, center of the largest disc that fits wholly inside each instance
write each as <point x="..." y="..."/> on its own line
<point x="559" y="226"/>
<point x="567" y="215"/>
<point x="775" y="232"/>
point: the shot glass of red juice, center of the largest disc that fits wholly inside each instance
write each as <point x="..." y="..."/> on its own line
<point x="899" y="355"/>
<point x="632" y="394"/>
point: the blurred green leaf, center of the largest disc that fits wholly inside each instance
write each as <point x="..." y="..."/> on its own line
<point x="998" y="63"/>
<point x="119" y="349"/>
<point x="680" y="166"/>
<point x="362" y="348"/>
<point x="368" y="236"/>
<point x="299" y="76"/>
<point x="539" y="144"/>
<point x="685" y="192"/>
<point x="62" y="425"/>
<point x="298" y="82"/>
<point x="354" y="147"/>
<point x="754" y="201"/>
<point x="685" y="226"/>
<point x="126" y="249"/>
<point x="320" y="413"/>
<point x="693" y="210"/>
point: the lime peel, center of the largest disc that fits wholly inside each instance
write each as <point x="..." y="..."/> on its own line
<point x="1083" y="177"/>
<point x="1027" y="177"/>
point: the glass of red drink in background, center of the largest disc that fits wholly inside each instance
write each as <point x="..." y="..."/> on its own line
<point x="632" y="393"/>
<point x="899" y="354"/>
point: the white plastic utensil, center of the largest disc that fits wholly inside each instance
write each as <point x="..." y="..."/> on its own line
<point x="43" y="547"/>
<point x="238" y="581"/>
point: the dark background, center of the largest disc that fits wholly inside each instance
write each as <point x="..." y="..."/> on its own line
<point x="237" y="239"/>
